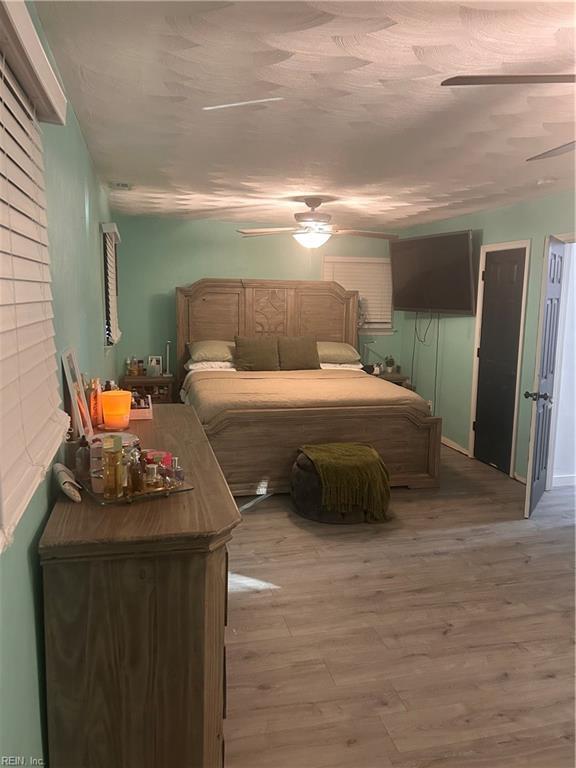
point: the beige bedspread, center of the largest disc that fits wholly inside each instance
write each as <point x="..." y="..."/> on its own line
<point x="212" y="392"/>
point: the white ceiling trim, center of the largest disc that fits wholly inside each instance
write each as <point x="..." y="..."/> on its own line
<point x="20" y="44"/>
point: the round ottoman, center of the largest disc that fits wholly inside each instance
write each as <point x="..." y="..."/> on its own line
<point x="306" y="492"/>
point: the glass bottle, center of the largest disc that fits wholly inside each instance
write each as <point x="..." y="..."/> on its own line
<point x="153" y="479"/>
<point x="95" y="403"/>
<point x="136" y="473"/>
<point x="96" y="471"/>
<point x="126" y="474"/>
<point x="177" y="471"/>
<point x="83" y="459"/>
<point x="88" y="392"/>
<point x="112" y="467"/>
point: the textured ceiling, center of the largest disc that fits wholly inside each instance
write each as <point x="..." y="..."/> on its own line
<point x="363" y="116"/>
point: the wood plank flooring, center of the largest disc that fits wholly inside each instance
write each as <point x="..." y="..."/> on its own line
<point x="440" y="639"/>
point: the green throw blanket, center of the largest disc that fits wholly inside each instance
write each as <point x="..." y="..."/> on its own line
<point x="352" y="475"/>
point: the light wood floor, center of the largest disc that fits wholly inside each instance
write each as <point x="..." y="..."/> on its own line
<point x="441" y="639"/>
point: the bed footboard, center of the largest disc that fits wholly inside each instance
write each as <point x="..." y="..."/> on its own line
<point x="256" y="448"/>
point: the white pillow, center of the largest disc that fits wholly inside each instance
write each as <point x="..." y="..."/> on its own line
<point x="342" y="366"/>
<point x="207" y="365"/>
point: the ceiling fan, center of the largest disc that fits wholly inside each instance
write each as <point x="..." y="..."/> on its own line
<point x="508" y="79"/>
<point x="314" y="228"/>
<point x="519" y="80"/>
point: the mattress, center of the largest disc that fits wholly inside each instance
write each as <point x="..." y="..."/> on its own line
<point x="213" y="392"/>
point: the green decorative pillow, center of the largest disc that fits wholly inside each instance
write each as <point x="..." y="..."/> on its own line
<point x="211" y="351"/>
<point x="298" y="353"/>
<point x="257" y="354"/>
<point x="337" y="352"/>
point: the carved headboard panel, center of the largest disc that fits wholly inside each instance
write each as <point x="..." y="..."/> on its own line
<point x="221" y="309"/>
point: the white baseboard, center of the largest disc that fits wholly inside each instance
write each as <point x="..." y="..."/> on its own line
<point x="559" y="481"/>
<point x="455" y="446"/>
<point x="520" y="478"/>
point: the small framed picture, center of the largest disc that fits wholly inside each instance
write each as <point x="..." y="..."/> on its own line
<point x="154" y="365"/>
<point x="78" y="405"/>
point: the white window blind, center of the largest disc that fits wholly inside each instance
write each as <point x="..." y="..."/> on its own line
<point x="111" y="239"/>
<point x="32" y="425"/>
<point x="372" y="278"/>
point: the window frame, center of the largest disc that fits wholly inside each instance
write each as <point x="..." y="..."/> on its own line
<point x="32" y="421"/>
<point x="365" y="326"/>
<point x="110" y="239"/>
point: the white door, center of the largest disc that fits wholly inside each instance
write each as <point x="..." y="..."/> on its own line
<point x="544" y="379"/>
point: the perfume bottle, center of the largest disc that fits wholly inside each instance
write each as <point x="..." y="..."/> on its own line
<point x="95" y="403"/>
<point x="136" y="472"/>
<point x="96" y="466"/>
<point x="112" y="467"/>
<point x="153" y="479"/>
<point x="126" y="474"/>
<point x="83" y="460"/>
<point x="177" y="471"/>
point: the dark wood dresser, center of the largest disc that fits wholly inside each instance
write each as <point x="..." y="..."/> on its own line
<point x="135" y="605"/>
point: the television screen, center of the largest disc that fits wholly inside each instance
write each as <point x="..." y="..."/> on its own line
<point x="434" y="274"/>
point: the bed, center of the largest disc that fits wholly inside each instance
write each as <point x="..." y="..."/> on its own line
<point x="255" y="421"/>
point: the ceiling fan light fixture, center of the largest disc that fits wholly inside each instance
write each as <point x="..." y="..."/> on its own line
<point x="311" y="239"/>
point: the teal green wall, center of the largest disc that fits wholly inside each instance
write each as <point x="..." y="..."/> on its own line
<point x="532" y="221"/>
<point x="76" y="206"/>
<point x="21" y="665"/>
<point x="158" y="253"/>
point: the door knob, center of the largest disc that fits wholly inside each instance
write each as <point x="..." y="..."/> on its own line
<point x="536" y="395"/>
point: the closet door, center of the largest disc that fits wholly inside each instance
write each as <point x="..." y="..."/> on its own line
<point x="498" y="355"/>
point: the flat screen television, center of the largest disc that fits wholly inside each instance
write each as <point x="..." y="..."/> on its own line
<point x="434" y="274"/>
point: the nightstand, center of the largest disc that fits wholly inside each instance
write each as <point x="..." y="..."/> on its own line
<point x="397" y="378"/>
<point x="160" y="388"/>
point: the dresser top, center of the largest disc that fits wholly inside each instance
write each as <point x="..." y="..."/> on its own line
<point x="200" y="519"/>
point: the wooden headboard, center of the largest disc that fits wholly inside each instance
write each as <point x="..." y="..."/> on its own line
<point x="221" y="309"/>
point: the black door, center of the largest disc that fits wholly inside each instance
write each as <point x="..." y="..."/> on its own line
<point x="503" y="278"/>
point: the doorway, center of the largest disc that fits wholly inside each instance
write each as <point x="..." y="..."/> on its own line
<point x="502" y="285"/>
<point x="562" y="454"/>
<point x="552" y="454"/>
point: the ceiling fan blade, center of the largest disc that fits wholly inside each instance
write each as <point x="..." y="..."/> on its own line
<point x="271" y="231"/>
<point x="365" y="233"/>
<point x="569" y="147"/>
<point x="508" y="79"/>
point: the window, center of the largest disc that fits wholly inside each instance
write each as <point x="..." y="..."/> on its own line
<point x="372" y="278"/>
<point x="32" y="425"/>
<point x="111" y="239"/>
